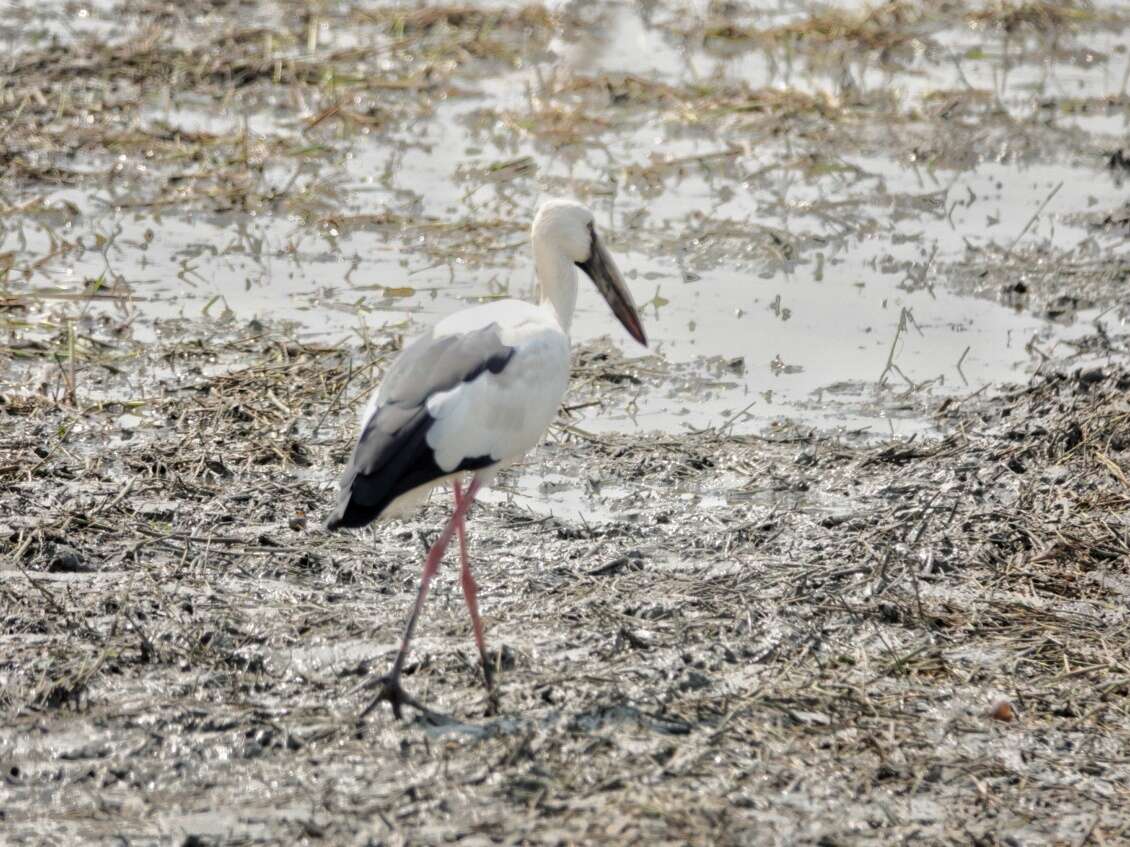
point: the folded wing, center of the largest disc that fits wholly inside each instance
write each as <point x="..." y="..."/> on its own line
<point x="393" y="454"/>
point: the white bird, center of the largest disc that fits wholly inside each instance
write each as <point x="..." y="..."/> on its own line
<point x="471" y="396"/>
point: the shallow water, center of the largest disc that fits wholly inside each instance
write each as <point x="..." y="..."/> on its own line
<point x="784" y="636"/>
<point x="804" y="328"/>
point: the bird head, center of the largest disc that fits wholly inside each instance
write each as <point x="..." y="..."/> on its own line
<point x="570" y="228"/>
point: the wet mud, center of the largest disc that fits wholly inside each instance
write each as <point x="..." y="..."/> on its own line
<point x="714" y="638"/>
<point x="842" y="559"/>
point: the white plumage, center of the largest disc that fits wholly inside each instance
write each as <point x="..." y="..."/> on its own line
<point x="504" y="414"/>
<point x="474" y="394"/>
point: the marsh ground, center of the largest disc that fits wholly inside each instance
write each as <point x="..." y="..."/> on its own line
<point x="843" y="558"/>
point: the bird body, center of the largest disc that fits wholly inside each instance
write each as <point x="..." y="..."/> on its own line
<point x="513" y="408"/>
<point x="475" y="393"/>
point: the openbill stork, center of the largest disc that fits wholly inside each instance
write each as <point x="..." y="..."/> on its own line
<point x="471" y="396"/>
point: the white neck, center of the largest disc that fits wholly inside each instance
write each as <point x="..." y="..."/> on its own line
<point x="557" y="282"/>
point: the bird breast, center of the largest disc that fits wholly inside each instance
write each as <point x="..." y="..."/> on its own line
<point x="504" y="414"/>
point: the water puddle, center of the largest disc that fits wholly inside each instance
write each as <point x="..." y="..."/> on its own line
<point x="779" y="279"/>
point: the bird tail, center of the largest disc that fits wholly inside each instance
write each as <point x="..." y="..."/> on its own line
<point x="347" y="515"/>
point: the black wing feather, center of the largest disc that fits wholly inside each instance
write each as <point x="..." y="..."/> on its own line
<point x="392" y="456"/>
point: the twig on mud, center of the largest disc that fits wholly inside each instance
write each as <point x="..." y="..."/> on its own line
<point x="336" y="398"/>
<point x="577" y="431"/>
<point x="1032" y="220"/>
<point x="906" y="317"/>
<point x="733" y="419"/>
<point x="578" y="406"/>
<point x="960" y="360"/>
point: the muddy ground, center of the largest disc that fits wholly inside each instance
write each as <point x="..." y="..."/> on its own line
<point x="779" y="639"/>
<point x="735" y="597"/>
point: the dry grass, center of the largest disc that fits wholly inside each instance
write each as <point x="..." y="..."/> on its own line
<point x="791" y="638"/>
<point x="886" y="27"/>
<point x="881" y="27"/>
<point x="408" y="19"/>
<point x="1042" y="17"/>
<point x="926" y="645"/>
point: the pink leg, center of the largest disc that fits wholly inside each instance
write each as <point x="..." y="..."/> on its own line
<point x="470" y="589"/>
<point x="391" y="689"/>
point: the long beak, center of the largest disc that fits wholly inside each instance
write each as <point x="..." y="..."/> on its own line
<point x="601" y="269"/>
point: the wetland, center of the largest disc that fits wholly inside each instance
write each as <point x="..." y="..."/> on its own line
<point x="843" y="557"/>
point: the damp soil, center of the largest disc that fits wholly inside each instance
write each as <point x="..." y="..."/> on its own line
<point x="843" y="558"/>
<point x="716" y="638"/>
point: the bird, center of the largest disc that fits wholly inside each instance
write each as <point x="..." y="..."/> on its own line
<point x="470" y="396"/>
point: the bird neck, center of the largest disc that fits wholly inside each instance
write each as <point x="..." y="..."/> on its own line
<point x="557" y="283"/>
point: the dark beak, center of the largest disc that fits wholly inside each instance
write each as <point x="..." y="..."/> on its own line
<point x="601" y="269"/>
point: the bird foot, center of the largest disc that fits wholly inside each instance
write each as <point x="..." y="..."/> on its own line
<point x="492" y="692"/>
<point x="392" y="692"/>
<point x="492" y="703"/>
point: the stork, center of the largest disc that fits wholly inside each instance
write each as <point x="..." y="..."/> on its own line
<point x="471" y="396"/>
